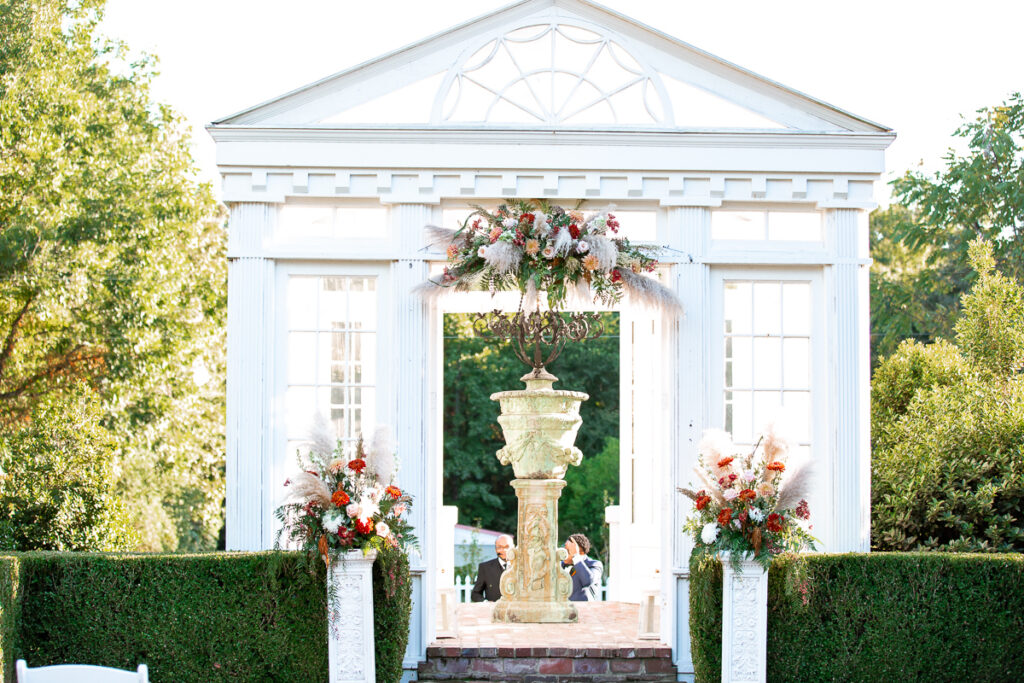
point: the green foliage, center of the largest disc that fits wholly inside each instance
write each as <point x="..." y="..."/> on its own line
<point x="10" y="614"/>
<point x="57" y="490"/>
<point x="877" y="617"/>
<point x="392" y="610"/>
<point x="474" y="480"/>
<point x="948" y="450"/>
<point x="112" y="263"/>
<point x="191" y="618"/>
<point x="921" y="244"/>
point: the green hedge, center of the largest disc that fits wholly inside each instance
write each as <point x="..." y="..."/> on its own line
<point x="877" y="617"/>
<point x="203" y="618"/>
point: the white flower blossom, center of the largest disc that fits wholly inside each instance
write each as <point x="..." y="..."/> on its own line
<point x="510" y="222"/>
<point x="332" y="521"/>
<point x="482" y="252"/>
<point x="548" y="252"/>
<point x="582" y="247"/>
<point x="756" y="514"/>
<point x="383" y="530"/>
<point x="730" y="494"/>
<point x="709" y="534"/>
<point x="352" y="509"/>
<point x="748" y="475"/>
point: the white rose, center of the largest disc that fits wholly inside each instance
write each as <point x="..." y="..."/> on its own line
<point x="481" y="252"/>
<point x="549" y="252"/>
<point x="748" y="475"/>
<point x="383" y="530"/>
<point x="582" y="247"/>
<point x="730" y="494"/>
<point x="510" y="222"/>
<point x="709" y="534"/>
<point x="352" y="509"/>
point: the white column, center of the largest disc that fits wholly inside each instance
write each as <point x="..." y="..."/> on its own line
<point x="744" y="622"/>
<point x="847" y="231"/>
<point x="411" y="408"/>
<point x="249" y="515"/>
<point x="350" y="649"/>
<point x="690" y="342"/>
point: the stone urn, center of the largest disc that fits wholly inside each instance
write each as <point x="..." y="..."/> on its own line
<point x="540" y="426"/>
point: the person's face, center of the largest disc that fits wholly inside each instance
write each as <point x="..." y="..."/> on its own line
<point x="501" y="547"/>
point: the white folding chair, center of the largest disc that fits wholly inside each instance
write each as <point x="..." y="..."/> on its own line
<point x="79" y="673"/>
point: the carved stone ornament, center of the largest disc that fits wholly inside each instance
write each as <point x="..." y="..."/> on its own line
<point x="744" y="622"/>
<point x="350" y="618"/>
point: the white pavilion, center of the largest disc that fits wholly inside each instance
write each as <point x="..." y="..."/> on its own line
<point x="759" y="195"/>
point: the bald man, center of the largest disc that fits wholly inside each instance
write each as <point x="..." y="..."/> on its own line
<point x="488" y="574"/>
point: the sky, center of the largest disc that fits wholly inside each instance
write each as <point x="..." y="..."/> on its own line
<point x="916" y="66"/>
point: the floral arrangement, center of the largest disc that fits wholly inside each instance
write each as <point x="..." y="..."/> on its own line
<point x="751" y="504"/>
<point x="535" y="247"/>
<point x="346" y="499"/>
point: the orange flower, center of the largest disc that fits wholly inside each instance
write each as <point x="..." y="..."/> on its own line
<point x="724" y="516"/>
<point x="591" y="262"/>
<point x="724" y="462"/>
<point x="357" y="465"/>
<point x="748" y="494"/>
<point x="702" y="501"/>
<point x="453" y="249"/>
<point x="340" y="498"/>
<point x="776" y="466"/>
<point x="394" y="492"/>
<point x="365" y="528"/>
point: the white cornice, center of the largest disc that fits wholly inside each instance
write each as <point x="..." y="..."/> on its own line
<point x="464" y="135"/>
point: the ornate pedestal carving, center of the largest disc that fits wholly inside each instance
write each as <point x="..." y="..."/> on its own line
<point x="540" y="426"/>
<point x="744" y="622"/>
<point x="350" y="618"/>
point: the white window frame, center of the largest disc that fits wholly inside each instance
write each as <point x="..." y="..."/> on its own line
<point x="283" y="462"/>
<point x="821" y="397"/>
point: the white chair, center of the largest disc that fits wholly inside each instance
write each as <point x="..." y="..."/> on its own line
<point x="79" y="673"/>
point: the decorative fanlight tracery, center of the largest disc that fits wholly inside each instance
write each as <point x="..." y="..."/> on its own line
<point x="552" y="74"/>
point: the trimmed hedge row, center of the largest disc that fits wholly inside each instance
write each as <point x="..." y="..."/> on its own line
<point x="877" y="617"/>
<point x="203" y="618"/>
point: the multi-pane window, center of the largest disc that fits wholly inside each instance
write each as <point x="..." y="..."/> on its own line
<point x="767" y="355"/>
<point x="771" y="226"/>
<point x="332" y="355"/>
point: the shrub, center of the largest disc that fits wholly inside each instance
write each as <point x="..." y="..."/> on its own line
<point x="392" y="607"/>
<point x="878" y="617"/>
<point x="57" y="485"/>
<point x="203" y="618"/>
<point x="948" y="449"/>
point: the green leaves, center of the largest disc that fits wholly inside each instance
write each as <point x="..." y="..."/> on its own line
<point x="112" y="267"/>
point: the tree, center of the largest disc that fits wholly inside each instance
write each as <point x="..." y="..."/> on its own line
<point x="921" y="243"/>
<point x="948" y="423"/>
<point x="112" y="264"/>
<point x="56" y="487"/>
<point x="474" y="480"/>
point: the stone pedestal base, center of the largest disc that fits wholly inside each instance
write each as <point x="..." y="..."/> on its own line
<point x="350" y="618"/>
<point x="534" y="588"/>
<point x="744" y="622"/>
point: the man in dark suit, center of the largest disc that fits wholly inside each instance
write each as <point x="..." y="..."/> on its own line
<point x="488" y="574"/>
<point x="585" y="572"/>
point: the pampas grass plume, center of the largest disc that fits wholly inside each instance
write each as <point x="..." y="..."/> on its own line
<point x="381" y="455"/>
<point x="304" y="487"/>
<point x="796" y="484"/>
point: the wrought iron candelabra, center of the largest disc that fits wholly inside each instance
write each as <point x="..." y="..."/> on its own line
<point x="538" y="337"/>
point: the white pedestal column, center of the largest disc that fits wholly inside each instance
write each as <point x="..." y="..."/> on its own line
<point x="350" y="618"/>
<point x="744" y="622"/>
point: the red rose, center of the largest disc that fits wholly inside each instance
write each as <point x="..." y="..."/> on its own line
<point x="724" y="516"/>
<point x="574" y="230"/>
<point x="774" y="522"/>
<point x="340" y="498"/>
<point x="357" y="465"/>
<point x="346" y="536"/>
<point x="527" y="218"/>
<point x="616" y="276"/>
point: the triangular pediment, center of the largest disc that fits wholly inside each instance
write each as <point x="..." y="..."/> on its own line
<point x="552" y="63"/>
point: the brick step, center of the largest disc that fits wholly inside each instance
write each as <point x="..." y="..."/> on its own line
<point x="548" y="664"/>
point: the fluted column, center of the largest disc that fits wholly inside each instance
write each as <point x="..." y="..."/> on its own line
<point x="847" y="229"/>
<point x="249" y="514"/>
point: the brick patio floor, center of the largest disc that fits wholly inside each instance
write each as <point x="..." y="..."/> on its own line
<point x="601" y="625"/>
